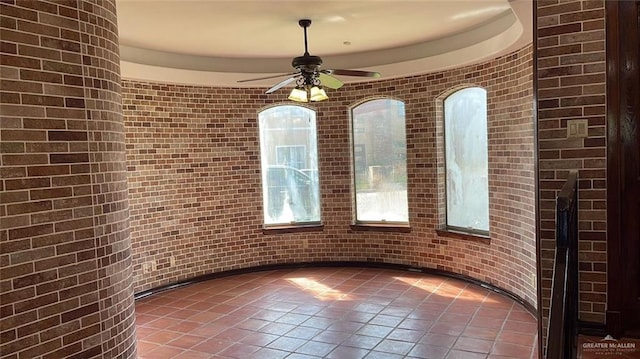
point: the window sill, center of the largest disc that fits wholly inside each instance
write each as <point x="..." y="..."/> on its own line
<point x="450" y="233"/>
<point x="380" y="227"/>
<point x="293" y="228"/>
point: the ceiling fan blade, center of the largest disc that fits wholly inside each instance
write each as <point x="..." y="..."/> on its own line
<point x="353" y="73"/>
<point x="268" y="77"/>
<point x="281" y="84"/>
<point x="330" y="81"/>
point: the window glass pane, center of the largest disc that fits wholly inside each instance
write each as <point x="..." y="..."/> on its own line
<point x="465" y="118"/>
<point x="379" y="156"/>
<point x="289" y="165"/>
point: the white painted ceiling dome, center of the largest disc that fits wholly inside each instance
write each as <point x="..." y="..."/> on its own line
<point x="217" y="43"/>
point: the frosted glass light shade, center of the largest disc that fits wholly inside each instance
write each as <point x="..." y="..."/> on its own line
<point x="298" y="95"/>
<point x="318" y="94"/>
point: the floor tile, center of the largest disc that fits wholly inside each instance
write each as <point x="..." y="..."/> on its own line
<point x="302" y="356"/>
<point x="316" y="348"/>
<point x="145" y="348"/>
<point x="277" y="328"/>
<point x="259" y="339"/>
<point x="165" y="352"/>
<point x="268" y="353"/>
<point x="518" y="326"/>
<point x="428" y="351"/>
<point x="387" y="320"/>
<point x="454" y="329"/>
<point x="406" y="335"/>
<point x="519" y="338"/>
<point x="287" y="344"/>
<point x="362" y="341"/>
<point x="480" y="333"/>
<point x="192" y="355"/>
<point x="358" y="313"/>
<point x="185" y="326"/>
<point x="373" y="330"/>
<point x="416" y="324"/>
<point x="187" y="341"/>
<point x="211" y="346"/>
<point x="142" y="332"/>
<point x="331" y="337"/>
<point x="394" y="346"/>
<point x="473" y="345"/>
<point x="383" y="355"/>
<point x="302" y="332"/>
<point x="440" y="340"/>
<point x="162" y="336"/>
<point x="511" y="350"/>
<point x="343" y="352"/>
<point x="460" y="354"/>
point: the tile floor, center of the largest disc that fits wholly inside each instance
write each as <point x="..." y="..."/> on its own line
<point x="336" y="313"/>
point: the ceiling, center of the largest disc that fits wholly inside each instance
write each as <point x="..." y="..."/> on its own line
<point x="217" y="43"/>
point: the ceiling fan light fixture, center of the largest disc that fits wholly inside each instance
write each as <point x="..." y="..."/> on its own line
<point x="298" y="94"/>
<point x="309" y="77"/>
<point x="318" y="94"/>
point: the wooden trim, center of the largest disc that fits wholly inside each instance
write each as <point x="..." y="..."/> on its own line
<point x="539" y="297"/>
<point x="614" y="269"/>
<point x="613" y="321"/>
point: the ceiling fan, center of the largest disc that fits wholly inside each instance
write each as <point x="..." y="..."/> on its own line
<point x="309" y="76"/>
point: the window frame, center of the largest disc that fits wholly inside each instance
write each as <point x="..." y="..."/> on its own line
<point x="287" y="227"/>
<point x="372" y="225"/>
<point x="451" y="230"/>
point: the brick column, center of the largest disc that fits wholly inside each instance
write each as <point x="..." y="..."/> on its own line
<point x="571" y="78"/>
<point x="65" y="253"/>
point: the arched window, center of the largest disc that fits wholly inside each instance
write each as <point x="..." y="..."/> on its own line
<point x="289" y="158"/>
<point x="466" y="160"/>
<point x="379" y="149"/>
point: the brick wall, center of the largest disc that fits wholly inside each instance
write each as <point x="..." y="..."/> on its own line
<point x="195" y="194"/>
<point x="65" y="258"/>
<point x="571" y="85"/>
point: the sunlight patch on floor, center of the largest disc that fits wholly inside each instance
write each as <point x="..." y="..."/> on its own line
<point x="443" y="290"/>
<point x="319" y="290"/>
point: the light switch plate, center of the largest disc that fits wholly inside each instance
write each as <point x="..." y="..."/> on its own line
<point x="577" y="128"/>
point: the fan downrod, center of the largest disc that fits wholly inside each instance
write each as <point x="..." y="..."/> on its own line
<point x="306" y="63"/>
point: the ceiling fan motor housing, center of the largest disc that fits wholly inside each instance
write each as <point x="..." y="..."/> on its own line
<point x="307" y="63"/>
<point x="309" y="69"/>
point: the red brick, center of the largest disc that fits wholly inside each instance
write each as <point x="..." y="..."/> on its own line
<point x="29" y="207"/>
<point x="559" y="29"/>
<point x="18" y="12"/>
<point x="39" y="52"/>
<point x="18" y="37"/>
<point x="24" y="159"/>
<point x="36" y="28"/>
<point x="42" y="100"/>
<point x="68" y="157"/>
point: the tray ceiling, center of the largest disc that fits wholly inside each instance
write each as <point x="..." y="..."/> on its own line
<point x="219" y="42"/>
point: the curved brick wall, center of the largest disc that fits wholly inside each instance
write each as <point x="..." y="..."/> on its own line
<point x="65" y="250"/>
<point x="194" y="180"/>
